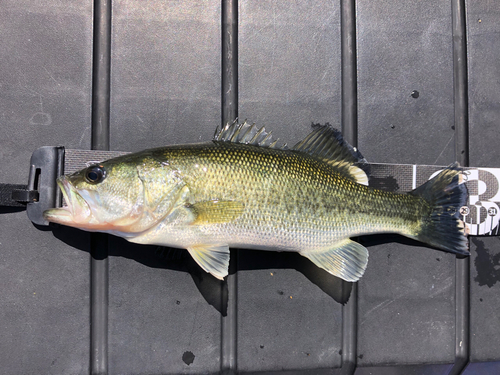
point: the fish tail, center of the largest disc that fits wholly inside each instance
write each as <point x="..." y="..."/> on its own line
<point x="441" y="225"/>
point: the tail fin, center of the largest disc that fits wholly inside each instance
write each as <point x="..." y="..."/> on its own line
<point x="442" y="226"/>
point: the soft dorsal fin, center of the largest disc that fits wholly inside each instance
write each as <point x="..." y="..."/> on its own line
<point x="327" y="143"/>
<point x="246" y="133"/>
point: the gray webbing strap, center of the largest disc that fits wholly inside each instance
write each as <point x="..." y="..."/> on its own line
<point x="74" y="160"/>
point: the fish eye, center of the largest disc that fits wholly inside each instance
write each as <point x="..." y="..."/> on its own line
<point x="95" y="174"/>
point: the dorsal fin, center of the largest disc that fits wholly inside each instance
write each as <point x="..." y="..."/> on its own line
<point x="327" y="143"/>
<point x="324" y="142"/>
<point x="246" y="133"/>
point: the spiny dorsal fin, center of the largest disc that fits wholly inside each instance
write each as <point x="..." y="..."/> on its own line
<point x="327" y="143"/>
<point x="246" y="133"/>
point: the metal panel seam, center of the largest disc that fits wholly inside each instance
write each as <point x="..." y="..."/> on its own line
<point x="229" y="112"/>
<point x="462" y="266"/>
<point x="350" y="131"/>
<point x="100" y="141"/>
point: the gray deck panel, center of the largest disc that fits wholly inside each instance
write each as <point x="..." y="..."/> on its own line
<point x="484" y="114"/>
<point x="45" y="82"/>
<point x="402" y="47"/>
<point x="406" y="297"/>
<point x="158" y="315"/>
<point x="285" y="322"/>
<point x="289" y="65"/>
<point x="289" y="69"/>
<point x="165" y="73"/>
<point x="165" y="89"/>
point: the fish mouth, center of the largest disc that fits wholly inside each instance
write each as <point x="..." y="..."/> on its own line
<point x="76" y="210"/>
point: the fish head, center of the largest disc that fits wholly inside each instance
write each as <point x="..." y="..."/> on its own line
<point x="119" y="197"/>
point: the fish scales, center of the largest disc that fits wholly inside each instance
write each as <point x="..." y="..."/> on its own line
<point x="309" y="203"/>
<point x="240" y="190"/>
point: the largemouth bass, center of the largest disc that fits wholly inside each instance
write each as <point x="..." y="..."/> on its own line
<point x="240" y="190"/>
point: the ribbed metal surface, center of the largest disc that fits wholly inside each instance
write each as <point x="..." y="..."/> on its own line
<point x="408" y="82"/>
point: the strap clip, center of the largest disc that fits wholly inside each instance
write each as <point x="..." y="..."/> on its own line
<point x="46" y="165"/>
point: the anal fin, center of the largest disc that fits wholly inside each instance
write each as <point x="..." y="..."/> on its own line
<point x="214" y="259"/>
<point x="346" y="259"/>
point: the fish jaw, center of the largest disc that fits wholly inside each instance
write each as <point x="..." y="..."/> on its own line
<point x="76" y="213"/>
<point x="82" y="210"/>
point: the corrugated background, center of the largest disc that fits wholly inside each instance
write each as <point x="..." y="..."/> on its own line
<point x="166" y="71"/>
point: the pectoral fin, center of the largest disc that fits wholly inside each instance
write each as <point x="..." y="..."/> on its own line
<point x="346" y="259"/>
<point x="213" y="259"/>
<point x="216" y="211"/>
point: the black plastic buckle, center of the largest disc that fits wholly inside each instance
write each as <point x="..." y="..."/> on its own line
<point x="46" y="165"/>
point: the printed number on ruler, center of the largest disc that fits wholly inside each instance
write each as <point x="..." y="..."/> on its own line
<point x="482" y="213"/>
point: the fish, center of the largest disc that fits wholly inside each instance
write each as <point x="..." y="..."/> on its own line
<point x="242" y="190"/>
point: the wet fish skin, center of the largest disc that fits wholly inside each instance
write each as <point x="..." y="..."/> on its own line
<point x="241" y="191"/>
